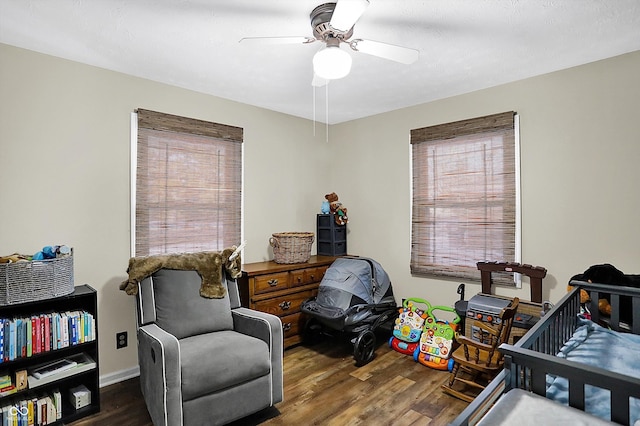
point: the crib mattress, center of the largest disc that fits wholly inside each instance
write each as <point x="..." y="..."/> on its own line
<point x="522" y="408"/>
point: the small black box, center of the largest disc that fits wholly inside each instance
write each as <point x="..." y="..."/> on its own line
<point x="330" y="237"/>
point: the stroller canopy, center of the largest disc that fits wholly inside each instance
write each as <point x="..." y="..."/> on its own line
<point x="353" y="281"/>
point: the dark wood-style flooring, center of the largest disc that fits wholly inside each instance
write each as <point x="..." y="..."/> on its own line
<point x="322" y="386"/>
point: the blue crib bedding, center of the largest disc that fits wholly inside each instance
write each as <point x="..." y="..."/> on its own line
<point x="600" y="347"/>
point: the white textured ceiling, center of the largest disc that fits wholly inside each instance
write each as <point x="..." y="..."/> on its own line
<point x="464" y="45"/>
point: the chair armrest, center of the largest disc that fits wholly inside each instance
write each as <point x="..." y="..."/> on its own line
<point x="268" y="328"/>
<point x="159" y="359"/>
<point x="264" y="326"/>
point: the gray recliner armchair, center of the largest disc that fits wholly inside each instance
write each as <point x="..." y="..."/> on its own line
<point x="204" y="361"/>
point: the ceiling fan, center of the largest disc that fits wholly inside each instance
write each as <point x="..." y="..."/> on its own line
<point x="333" y="24"/>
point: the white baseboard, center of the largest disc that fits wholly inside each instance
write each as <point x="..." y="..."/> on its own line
<point x="119" y="376"/>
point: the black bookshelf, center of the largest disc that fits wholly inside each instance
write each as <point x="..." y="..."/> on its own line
<point x="83" y="299"/>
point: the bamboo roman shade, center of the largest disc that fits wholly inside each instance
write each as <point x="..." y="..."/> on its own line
<point x="464" y="196"/>
<point x="188" y="185"/>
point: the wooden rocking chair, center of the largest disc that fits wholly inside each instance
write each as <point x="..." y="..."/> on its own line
<point x="477" y="362"/>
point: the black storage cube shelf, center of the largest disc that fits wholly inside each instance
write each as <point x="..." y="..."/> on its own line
<point x="331" y="237"/>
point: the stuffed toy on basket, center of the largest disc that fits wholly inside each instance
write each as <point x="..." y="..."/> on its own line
<point x="408" y="326"/>
<point x="437" y="340"/>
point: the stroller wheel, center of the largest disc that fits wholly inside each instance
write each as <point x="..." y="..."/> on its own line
<point x="312" y="333"/>
<point x="364" y="347"/>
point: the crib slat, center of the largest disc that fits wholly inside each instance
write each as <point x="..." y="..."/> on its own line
<point x="635" y="307"/>
<point x="538" y="381"/>
<point x="615" y="312"/>
<point x="619" y="406"/>
<point x="576" y="394"/>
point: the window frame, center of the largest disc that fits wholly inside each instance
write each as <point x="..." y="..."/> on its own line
<point x="457" y="132"/>
<point x="164" y="125"/>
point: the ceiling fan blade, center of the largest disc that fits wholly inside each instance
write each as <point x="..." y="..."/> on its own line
<point x="404" y="55"/>
<point x="347" y="13"/>
<point x="319" y="81"/>
<point x="277" y="40"/>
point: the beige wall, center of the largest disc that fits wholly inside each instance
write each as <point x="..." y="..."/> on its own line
<point x="64" y="169"/>
<point x="580" y="156"/>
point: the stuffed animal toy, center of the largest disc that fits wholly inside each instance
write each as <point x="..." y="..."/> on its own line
<point x="209" y="265"/>
<point x="336" y="207"/>
<point x="584" y="296"/>
<point x="15" y="257"/>
<point x="610" y="275"/>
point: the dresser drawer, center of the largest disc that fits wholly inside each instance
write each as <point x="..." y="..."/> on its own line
<point x="270" y="282"/>
<point x="307" y="276"/>
<point x="297" y="278"/>
<point x="314" y="275"/>
<point x="292" y="325"/>
<point x="284" y="305"/>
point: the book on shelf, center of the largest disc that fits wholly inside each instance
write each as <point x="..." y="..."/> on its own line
<point x="38" y="328"/>
<point x="30" y="411"/>
<point x="57" y="400"/>
<point x="8" y="390"/>
<point x="44" y="332"/>
<point x="40" y="410"/>
<point x="12" y="340"/>
<point x="47" y="332"/>
<point x="5" y="380"/>
<point x="2" y="321"/>
<point x="6" y="340"/>
<point x="29" y="334"/>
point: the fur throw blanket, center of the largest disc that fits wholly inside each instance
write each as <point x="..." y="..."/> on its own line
<point x="209" y="265"/>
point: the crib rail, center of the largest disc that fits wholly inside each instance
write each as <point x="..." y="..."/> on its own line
<point x="555" y="328"/>
<point x="528" y="371"/>
<point x="529" y="361"/>
<point x="596" y="291"/>
<point x="481" y="404"/>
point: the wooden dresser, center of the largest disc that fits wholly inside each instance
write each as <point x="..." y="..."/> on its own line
<point x="280" y="289"/>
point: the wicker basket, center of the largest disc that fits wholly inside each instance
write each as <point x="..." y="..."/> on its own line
<point x="22" y="282"/>
<point x="291" y="247"/>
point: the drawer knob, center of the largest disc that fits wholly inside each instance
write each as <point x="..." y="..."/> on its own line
<point x="285" y="305"/>
<point x="299" y="279"/>
<point x="313" y="277"/>
<point x="286" y="326"/>
<point x="273" y="282"/>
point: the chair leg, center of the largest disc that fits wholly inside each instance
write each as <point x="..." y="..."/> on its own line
<point x="453" y="378"/>
<point x="454" y="372"/>
<point x="466" y="379"/>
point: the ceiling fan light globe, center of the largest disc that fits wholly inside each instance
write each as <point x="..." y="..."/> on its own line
<point x="332" y="63"/>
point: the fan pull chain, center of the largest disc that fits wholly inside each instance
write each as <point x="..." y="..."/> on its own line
<point x="326" y="111"/>
<point x="314" y="110"/>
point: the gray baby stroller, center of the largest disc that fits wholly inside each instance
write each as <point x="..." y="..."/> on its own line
<point x="354" y="297"/>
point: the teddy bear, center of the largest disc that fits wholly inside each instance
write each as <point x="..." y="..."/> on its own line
<point x="337" y="209"/>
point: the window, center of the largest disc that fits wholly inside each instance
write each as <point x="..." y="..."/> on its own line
<point x="186" y="185"/>
<point x="464" y="196"/>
